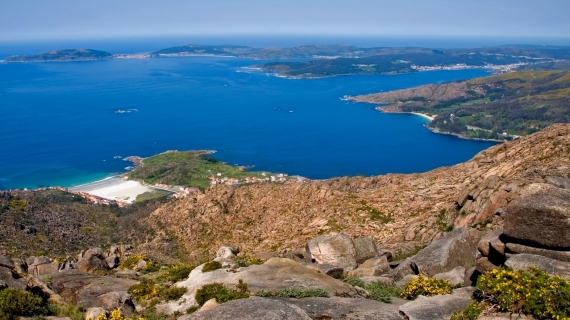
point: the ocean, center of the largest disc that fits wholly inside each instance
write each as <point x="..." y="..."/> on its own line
<point x="59" y="123"/>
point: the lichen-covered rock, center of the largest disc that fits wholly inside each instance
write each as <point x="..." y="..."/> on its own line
<point x="90" y="290"/>
<point x="540" y="219"/>
<point x="93" y="259"/>
<point x="455" y="276"/>
<point x="365" y="249"/>
<point x="274" y="275"/>
<point x="553" y="254"/>
<point x="11" y="279"/>
<point x="371" y="267"/>
<point x="328" y="269"/>
<point x="6" y="262"/>
<point x="334" y="248"/>
<point x="457" y="248"/>
<point x="227" y="251"/>
<point x="524" y="261"/>
<point x="437" y="307"/>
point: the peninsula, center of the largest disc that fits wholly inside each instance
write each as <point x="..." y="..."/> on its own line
<point x="500" y="107"/>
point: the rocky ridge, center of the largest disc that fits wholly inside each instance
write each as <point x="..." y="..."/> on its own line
<point x="402" y="212"/>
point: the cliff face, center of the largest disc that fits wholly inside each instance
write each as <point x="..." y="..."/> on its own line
<point x="398" y="211"/>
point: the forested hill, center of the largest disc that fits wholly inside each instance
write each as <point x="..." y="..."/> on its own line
<point x="517" y="103"/>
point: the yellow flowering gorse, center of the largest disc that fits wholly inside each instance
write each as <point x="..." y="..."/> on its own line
<point x="426" y="287"/>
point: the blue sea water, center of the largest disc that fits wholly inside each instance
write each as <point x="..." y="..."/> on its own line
<point x="59" y="127"/>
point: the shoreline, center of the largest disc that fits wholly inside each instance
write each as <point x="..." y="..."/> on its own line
<point x="434" y="130"/>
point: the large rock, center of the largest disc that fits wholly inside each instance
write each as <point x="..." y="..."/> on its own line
<point x="455" y="276"/>
<point x="553" y="254"/>
<point x="328" y="269"/>
<point x="308" y="308"/>
<point x="11" y="279"/>
<point x="371" y="267"/>
<point x="540" y="219"/>
<point x="90" y="290"/>
<point x="46" y="269"/>
<point x="336" y="249"/>
<point x="6" y="262"/>
<point x="251" y="309"/>
<point x="437" y="307"/>
<point x="524" y="261"/>
<point x="457" y="248"/>
<point x="93" y="259"/>
<point x="227" y="251"/>
<point x="365" y="249"/>
<point x="275" y="274"/>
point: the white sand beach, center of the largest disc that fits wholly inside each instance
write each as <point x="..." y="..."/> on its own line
<point x="114" y="189"/>
<point x="423" y="115"/>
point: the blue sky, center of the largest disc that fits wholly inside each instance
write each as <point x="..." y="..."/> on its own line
<point x="73" y="19"/>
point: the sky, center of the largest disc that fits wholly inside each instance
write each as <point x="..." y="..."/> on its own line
<point x="79" y="19"/>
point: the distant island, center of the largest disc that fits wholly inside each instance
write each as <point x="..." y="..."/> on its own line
<point x="318" y="61"/>
<point x="63" y="55"/>
<point x="500" y="107"/>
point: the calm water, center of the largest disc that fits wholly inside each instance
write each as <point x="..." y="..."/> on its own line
<point x="59" y="127"/>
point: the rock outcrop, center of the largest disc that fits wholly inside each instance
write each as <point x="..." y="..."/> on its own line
<point x="437" y="307"/>
<point x="308" y="308"/>
<point x="458" y="248"/>
<point x="89" y="290"/>
<point x="275" y="274"/>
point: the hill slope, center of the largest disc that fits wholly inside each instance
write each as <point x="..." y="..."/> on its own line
<point x="399" y="211"/>
<point x="518" y="103"/>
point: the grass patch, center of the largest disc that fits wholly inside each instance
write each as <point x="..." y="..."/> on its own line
<point x="150" y="293"/>
<point x="379" y="291"/>
<point x="442" y="225"/>
<point x="294" y="293"/>
<point x="375" y="214"/>
<point x="176" y="273"/>
<point x="245" y="261"/>
<point x="149" y="195"/>
<point x="221" y="293"/>
<point x="211" y="266"/>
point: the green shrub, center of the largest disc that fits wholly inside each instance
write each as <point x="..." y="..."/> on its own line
<point x="426" y="287"/>
<point x="246" y="261"/>
<point x="15" y="303"/>
<point x="151" y="266"/>
<point x="176" y="273"/>
<point x="148" y="290"/>
<point x="472" y="312"/>
<point x="131" y="261"/>
<point x="533" y="293"/>
<point x="294" y="293"/>
<point x="379" y="291"/>
<point x="173" y="293"/>
<point x="72" y="311"/>
<point x="211" y="266"/>
<point x="221" y="293"/>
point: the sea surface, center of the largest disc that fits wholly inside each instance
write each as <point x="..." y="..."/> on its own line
<point x="59" y="126"/>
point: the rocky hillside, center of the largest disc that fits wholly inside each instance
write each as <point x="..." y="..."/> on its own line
<point x="401" y="212"/>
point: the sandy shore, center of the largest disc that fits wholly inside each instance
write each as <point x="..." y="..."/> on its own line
<point x="423" y="115"/>
<point x="114" y="188"/>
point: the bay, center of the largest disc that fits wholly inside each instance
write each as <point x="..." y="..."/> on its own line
<point x="59" y="126"/>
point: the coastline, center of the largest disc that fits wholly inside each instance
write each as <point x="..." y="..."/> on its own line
<point x="434" y="130"/>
